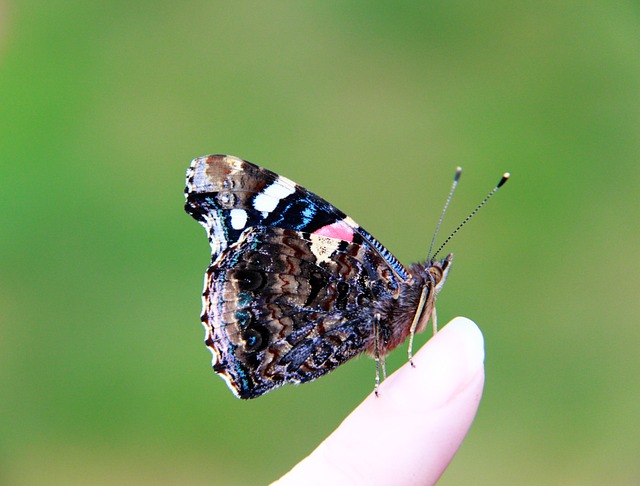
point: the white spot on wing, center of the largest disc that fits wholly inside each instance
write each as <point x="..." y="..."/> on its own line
<point x="238" y="218"/>
<point x="269" y="198"/>
<point x="323" y="247"/>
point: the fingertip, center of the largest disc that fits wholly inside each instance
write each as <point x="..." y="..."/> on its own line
<point x="467" y="338"/>
<point x="446" y="364"/>
<point x="422" y="415"/>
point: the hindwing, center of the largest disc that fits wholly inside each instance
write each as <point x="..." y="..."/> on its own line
<point x="288" y="306"/>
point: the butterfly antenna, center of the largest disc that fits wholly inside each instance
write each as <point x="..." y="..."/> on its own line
<point x="504" y="179"/>
<point x="456" y="178"/>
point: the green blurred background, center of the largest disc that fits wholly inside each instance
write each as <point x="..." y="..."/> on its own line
<point x="104" y="378"/>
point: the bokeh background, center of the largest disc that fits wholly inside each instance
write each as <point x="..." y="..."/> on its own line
<point x="103" y="375"/>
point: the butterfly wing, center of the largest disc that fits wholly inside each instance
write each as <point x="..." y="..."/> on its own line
<point x="293" y="284"/>
<point x="227" y="195"/>
<point x="284" y="306"/>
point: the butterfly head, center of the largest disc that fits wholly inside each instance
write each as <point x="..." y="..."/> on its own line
<point x="437" y="271"/>
<point x="428" y="279"/>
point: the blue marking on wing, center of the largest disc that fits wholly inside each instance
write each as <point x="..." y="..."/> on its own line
<point x="384" y="253"/>
<point x="302" y="211"/>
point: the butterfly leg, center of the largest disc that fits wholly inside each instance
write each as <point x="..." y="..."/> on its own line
<point x="411" y="349"/>
<point x="383" y="362"/>
<point x="416" y="319"/>
<point x="380" y="362"/>
<point x="434" y="321"/>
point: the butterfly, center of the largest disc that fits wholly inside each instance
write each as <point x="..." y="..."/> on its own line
<point x="295" y="287"/>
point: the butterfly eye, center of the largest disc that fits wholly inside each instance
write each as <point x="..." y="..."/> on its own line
<point x="436" y="273"/>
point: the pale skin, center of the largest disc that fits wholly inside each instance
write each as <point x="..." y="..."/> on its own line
<point x="410" y="432"/>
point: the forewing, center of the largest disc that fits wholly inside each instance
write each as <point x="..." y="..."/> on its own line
<point x="227" y="195"/>
<point x="286" y="306"/>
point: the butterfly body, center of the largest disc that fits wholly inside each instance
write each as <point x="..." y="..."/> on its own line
<point x="295" y="287"/>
